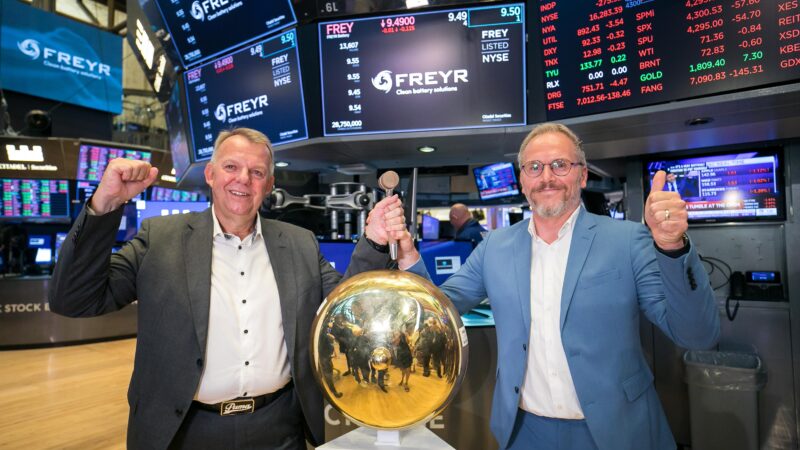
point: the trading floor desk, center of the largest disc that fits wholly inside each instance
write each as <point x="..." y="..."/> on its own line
<point x="26" y="320"/>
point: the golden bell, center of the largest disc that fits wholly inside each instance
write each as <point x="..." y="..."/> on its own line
<point x="388" y="349"/>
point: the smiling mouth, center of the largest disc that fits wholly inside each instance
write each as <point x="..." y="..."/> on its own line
<point x="239" y="193"/>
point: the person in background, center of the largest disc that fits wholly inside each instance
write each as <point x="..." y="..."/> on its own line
<point x="224" y="300"/>
<point x="568" y="289"/>
<point x="466" y="228"/>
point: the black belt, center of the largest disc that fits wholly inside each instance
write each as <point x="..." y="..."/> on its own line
<point x="243" y="405"/>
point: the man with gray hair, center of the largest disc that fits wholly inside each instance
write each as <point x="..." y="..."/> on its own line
<point x="567" y="288"/>
<point x="225" y="302"/>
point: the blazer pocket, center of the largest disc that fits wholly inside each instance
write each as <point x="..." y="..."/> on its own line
<point x="591" y="280"/>
<point x="636" y="385"/>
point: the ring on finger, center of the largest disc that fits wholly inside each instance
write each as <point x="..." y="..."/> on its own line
<point x="666" y="214"/>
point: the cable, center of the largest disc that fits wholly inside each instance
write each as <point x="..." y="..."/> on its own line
<point x="731" y="315"/>
<point x="718" y="264"/>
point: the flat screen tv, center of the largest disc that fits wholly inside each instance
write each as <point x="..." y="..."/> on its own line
<point x="337" y="253"/>
<point x="496" y="181"/>
<point x="37" y="200"/>
<point x="202" y="29"/>
<point x="430" y="228"/>
<point x="93" y="159"/>
<point x="147" y="209"/>
<point x="431" y="70"/>
<point x="177" y="128"/>
<point x="599" y="56"/>
<point x="51" y="56"/>
<point x="257" y="87"/>
<point x="740" y="186"/>
<point x="162" y="194"/>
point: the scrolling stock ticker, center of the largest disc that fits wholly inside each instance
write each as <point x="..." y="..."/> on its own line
<point x="424" y="71"/>
<point x="607" y="55"/>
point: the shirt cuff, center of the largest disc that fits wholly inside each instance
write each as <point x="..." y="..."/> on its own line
<point x="679" y="252"/>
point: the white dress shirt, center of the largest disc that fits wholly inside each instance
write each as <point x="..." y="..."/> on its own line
<point x="246" y="352"/>
<point x="547" y="389"/>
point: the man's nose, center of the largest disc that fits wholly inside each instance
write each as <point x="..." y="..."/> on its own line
<point x="243" y="176"/>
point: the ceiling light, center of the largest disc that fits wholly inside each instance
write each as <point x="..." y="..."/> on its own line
<point x="426" y="149"/>
<point x="281" y="164"/>
<point x="699" y="121"/>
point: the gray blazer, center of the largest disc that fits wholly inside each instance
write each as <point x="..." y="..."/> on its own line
<point x="167" y="267"/>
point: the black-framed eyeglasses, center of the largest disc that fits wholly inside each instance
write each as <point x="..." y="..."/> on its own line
<point x="559" y="167"/>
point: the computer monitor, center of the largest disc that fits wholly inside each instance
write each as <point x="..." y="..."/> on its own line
<point x="741" y="186"/>
<point x="60" y="238"/>
<point x="430" y="227"/>
<point x="338" y="253"/>
<point x="496" y="181"/>
<point x="147" y="209"/>
<point x="93" y="159"/>
<point x="34" y="200"/>
<point x="444" y="258"/>
<point x="44" y="248"/>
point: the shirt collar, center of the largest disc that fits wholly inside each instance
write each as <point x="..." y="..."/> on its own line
<point x="218" y="228"/>
<point x="566" y="228"/>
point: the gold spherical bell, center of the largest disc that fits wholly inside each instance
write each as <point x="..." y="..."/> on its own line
<point x="388" y="349"/>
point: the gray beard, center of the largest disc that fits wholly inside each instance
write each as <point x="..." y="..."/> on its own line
<point x="553" y="211"/>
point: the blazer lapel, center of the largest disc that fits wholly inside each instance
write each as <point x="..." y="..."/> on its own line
<point x="522" y="271"/>
<point x="283" y="267"/>
<point x="197" y="243"/>
<point x="582" y="237"/>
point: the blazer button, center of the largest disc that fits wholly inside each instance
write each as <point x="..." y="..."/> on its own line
<point x="178" y="412"/>
<point x="199" y="362"/>
<point x="516" y="389"/>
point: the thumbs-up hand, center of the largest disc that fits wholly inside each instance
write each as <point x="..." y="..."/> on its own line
<point x="122" y="180"/>
<point x="665" y="214"/>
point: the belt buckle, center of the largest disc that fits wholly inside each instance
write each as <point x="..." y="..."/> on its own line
<point x="234" y="407"/>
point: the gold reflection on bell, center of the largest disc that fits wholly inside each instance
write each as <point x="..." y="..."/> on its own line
<point x="388" y="349"/>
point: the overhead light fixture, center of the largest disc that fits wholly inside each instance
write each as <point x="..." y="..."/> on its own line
<point x="426" y="149"/>
<point x="699" y="121"/>
<point x="281" y="164"/>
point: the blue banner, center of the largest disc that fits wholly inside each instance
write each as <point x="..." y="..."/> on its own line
<point x="49" y="56"/>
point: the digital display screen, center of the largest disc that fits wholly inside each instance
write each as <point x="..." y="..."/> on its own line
<point x="60" y="238"/>
<point x="39" y="241"/>
<point x="129" y="223"/>
<point x="202" y="29"/>
<point x="338" y="254"/>
<point x="147" y="39"/>
<point x="50" y="56"/>
<point x="496" y="181"/>
<point x="35" y="199"/>
<point x="160" y="194"/>
<point x="177" y="126"/>
<point x="763" y="277"/>
<point x="257" y="87"/>
<point x="444" y="258"/>
<point x="93" y="159"/>
<point x="145" y="209"/>
<point x="742" y="186"/>
<point x="606" y="55"/>
<point x="460" y="68"/>
<point x="430" y="227"/>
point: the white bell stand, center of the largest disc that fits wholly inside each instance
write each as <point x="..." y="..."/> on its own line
<point x="417" y="438"/>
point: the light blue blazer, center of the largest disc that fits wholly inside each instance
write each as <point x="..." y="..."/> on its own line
<point x="613" y="273"/>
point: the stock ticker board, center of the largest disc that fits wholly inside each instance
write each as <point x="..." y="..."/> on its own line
<point x="459" y="68"/>
<point x="605" y="55"/>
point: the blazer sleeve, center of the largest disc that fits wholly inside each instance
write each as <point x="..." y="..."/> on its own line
<point x="675" y="293"/>
<point x="89" y="280"/>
